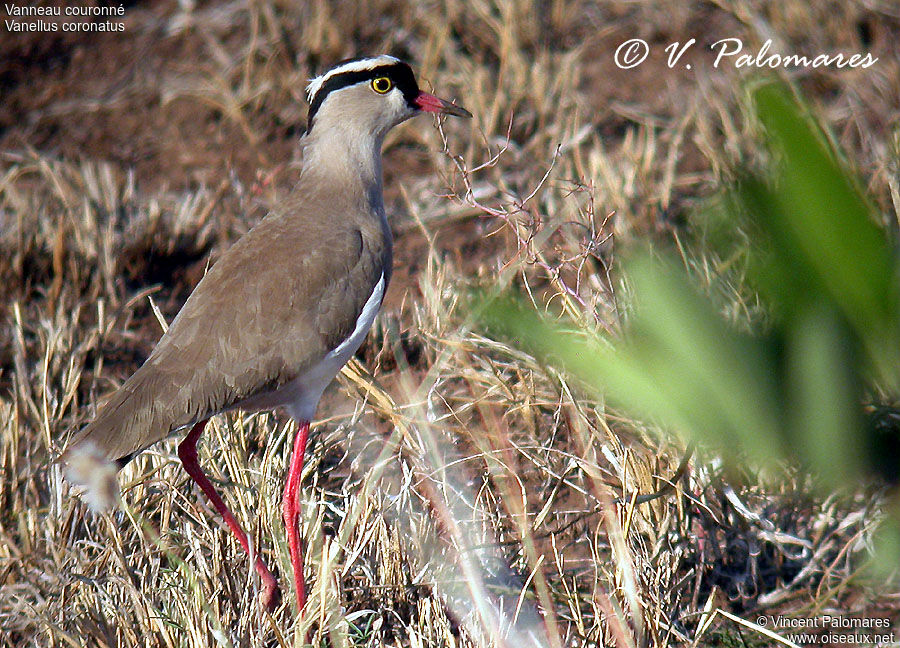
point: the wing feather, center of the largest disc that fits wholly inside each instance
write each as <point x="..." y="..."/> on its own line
<point x="276" y="302"/>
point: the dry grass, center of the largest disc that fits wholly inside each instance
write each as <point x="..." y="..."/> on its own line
<point x="454" y="479"/>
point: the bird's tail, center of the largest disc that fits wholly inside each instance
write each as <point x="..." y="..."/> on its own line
<point x="128" y="422"/>
<point x="88" y="468"/>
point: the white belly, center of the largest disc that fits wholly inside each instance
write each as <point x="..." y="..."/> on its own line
<point x="300" y="397"/>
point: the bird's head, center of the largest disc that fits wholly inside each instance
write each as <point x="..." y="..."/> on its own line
<point x="370" y="95"/>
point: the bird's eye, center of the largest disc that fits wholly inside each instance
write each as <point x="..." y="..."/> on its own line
<point x="382" y="85"/>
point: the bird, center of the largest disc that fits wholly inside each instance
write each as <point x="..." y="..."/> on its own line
<point x="272" y="322"/>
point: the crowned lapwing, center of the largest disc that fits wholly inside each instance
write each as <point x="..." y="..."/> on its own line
<point x="279" y="314"/>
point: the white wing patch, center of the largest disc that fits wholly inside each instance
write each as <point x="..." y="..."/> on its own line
<point x="303" y="393"/>
<point x="353" y="66"/>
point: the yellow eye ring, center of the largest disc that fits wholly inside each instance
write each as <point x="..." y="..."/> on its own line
<point x="382" y="85"/>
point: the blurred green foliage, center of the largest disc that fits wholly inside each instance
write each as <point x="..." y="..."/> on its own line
<point x="793" y="390"/>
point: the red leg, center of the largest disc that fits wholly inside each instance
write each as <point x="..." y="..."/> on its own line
<point x="187" y="452"/>
<point x="289" y="510"/>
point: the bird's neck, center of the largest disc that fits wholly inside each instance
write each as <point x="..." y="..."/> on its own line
<point x="344" y="162"/>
